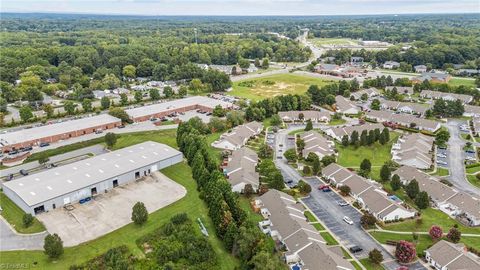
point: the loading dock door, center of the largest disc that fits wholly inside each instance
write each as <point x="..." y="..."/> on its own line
<point x="154" y="168"/>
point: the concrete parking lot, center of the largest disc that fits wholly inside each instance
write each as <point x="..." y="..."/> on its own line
<point x="110" y="211"/>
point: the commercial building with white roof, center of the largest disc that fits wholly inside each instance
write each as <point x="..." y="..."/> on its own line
<point x="176" y="106"/>
<point x="54" y="188"/>
<point x="56" y="132"/>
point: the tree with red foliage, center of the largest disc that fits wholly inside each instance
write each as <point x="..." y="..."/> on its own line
<point x="435" y="232"/>
<point x="405" y="251"/>
<point x="454" y="235"/>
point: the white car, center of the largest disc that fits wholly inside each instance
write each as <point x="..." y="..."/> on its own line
<point x="441" y="155"/>
<point x="342" y="203"/>
<point x="347" y="220"/>
<point x="441" y="162"/>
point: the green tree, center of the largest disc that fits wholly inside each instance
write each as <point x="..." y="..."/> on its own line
<point x="354" y="138"/>
<point x="345" y="141"/>
<point x="27" y="220"/>
<point x="25" y="113"/>
<point x="454" y="235"/>
<point x="304" y="187"/>
<point x="344" y="190"/>
<point x="375" y="105"/>
<point x="43" y="158"/>
<point x="154" y="94"/>
<point x="316" y="166"/>
<point x="129" y="71"/>
<point x="218" y="111"/>
<point x="385" y="136"/>
<point x="105" y="103"/>
<point x="168" y="91"/>
<point x="309" y="125"/>
<point x="366" y="165"/>
<point x="385" y="173"/>
<point x="139" y="213"/>
<point x="290" y="155"/>
<point x="368" y="220"/>
<point x="396" y="184"/>
<point x="196" y="86"/>
<point x="53" y="246"/>
<point x="275" y="120"/>
<point x="69" y="107"/>
<point x="327" y="160"/>
<point x="110" y="81"/>
<point x="182" y="91"/>
<point x="442" y="137"/>
<point x="138" y="96"/>
<point x="277" y="181"/>
<point x="48" y="109"/>
<point x="257" y="64"/>
<point x="87" y="105"/>
<point x="265" y="63"/>
<point x="363" y="138"/>
<point x="110" y="139"/>
<point x="119" y="113"/>
<point x="412" y="189"/>
<point x="422" y="200"/>
<point x="123" y="99"/>
<point x="375" y="256"/>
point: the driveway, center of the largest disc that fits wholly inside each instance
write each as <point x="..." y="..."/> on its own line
<point x="11" y="240"/>
<point x="110" y="211"/>
<point x="324" y="206"/>
<point x="456" y="158"/>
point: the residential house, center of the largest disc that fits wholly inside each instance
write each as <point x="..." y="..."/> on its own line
<point x="444" y="255"/>
<point x="238" y="136"/>
<point x="338" y="132"/>
<point x="356" y="61"/>
<point x="317" y="144"/>
<point x="436" y="77"/>
<point x="286" y="223"/>
<point x="391" y="65"/>
<point x="446" y="96"/>
<point x="476" y="125"/>
<point x="252" y="68"/>
<point x="241" y="170"/>
<point x="227" y="69"/>
<point x="414" y="150"/>
<point x="420" y="68"/>
<point x="302" y="116"/>
<point x="345" y="106"/>
<point x="405" y="107"/>
<point x="403" y="90"/>
<point x="405" y="120"/>
<point x="371" y="198"/>
<point x="370" y="92"/>
<point x="452" y="202"/>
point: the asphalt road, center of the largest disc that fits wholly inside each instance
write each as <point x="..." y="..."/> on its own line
<point x="10" y="240"/>
<point x="456" y="157"/>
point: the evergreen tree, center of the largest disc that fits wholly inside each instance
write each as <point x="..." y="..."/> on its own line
<point x="385" y="173"/>
<point x="139" y="213"/>
<point x="412" y="189"/>
<point x="309" y="125"/>
<point x="53" y="246"/>
<point x="345" y="140"/>
<point x="395" y="183"/>
<point x="422" y="200"/>
<point x="354" y="138"/>
<point x="363" y="138"/>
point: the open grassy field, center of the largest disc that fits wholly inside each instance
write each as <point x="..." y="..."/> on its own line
<point x="457" y="81"/>
<point x="127" y="235"/>
<point x="430" y="217"/>
<point x="14" y="215"/>
<point x="333" y="41"/>
<point x="275" y="85"/>
<point x="377" y="154"/>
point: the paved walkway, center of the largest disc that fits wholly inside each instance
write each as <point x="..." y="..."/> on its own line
<point x="11" y="240"/>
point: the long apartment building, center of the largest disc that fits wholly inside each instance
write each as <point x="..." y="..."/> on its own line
<point x="405" y="107"/>
<point x="368" y="195"/>
<point x="238" y="136"/>
<point x="414" y="150"/>
<point x="446" y="96"/>
<point x="447" y="199"/>
<point x="240" y="170"/>
<point x="286" y="223"/>
<point x="405" y="120"/>
<point x="296" y="116"/>
<point x="338" y="132"/>
<point x="317" y="144"/>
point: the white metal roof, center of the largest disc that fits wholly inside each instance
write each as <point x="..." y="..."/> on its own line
<point x="38" y="188"/>
<point x="37" y="133"/>
<point x="175" y="104"/>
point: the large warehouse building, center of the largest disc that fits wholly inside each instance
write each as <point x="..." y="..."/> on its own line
<point x="56" y="132"/>
<point x="71" y="183"/>
<point x="206" y="104"/>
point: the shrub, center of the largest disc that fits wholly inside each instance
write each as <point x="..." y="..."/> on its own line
<point x="345" y="190"/>
<point x="139" y="213"/>
<point x="27" y="220"/>
<point x="53" y="246"/>
<point x="435" y="232"/>
<point x="454" y="235"/>
<point x="368" y="220"/>
<point x="405" y="251"/>
<point x="304" y="187"/>
<point x="375" y="256"/>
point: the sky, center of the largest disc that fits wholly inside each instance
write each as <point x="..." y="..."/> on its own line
<point x="241" y="7"/>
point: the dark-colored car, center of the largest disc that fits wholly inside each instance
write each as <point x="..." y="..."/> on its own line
<point x="355" y="249"/>
<point x="14" y="152"/>
<point x="10" y="177"/>
<point x="23" y="172"/>
<point x="43" y="144"/>
<point x="26" y="149"/>
<point x="122" y="126"/>
<point x="326" y="190"/>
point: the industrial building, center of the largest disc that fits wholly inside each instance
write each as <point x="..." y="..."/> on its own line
<point x="83" y="179"/>
<point x="56" y="132"/>
<point x="163" y="109"/>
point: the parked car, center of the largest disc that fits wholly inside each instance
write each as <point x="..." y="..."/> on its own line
<point x="342" y="203"/>
<point x="10" y="177"/>
<point x="348" y="220"/>
<point x="326" y="189"/>
<point x="14" y="152"/>
<point x="321" y="187"/>
<point x="23" y="172"/>
<point x="43" y="144"/>
<point x="28" y="148"/>
<point x="471" y="151"/>
<point x="441" y="155"/>
<point x="153" y="119"/>
<point x="121" y="126"/>
<point x="98" y="131"/>
<point x="441" y="162"/>
<point x="355" y="249"/>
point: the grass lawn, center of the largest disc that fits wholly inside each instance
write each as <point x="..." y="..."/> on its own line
<point x="127" y="235"/>
<point x="430" y="217"/>
<point x="473" y="180"/>
<point x="457" y="81"/>
<point x="369" y="265"/>
<point x="65" y="149"/>
<point x="318" y="226"/>
<point x="245" y="205"/>
<point x="377" y="154"/>
<point x="329" y="238"/>
<point x="473" y="169"/>
<point x="14" y="215"/>
<point x="465" y="135"/>
<point x="310" y="216"/>
<point x="335" y="122"/>
<point x="275" y="85"/>
<point x="441" y="172"/>
<point x="356" y="265"/>
<point x="333" y="41"/>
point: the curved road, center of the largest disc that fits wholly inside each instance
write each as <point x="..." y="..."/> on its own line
<point x="11" y="240"/>
<point x="456" y="159"/>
